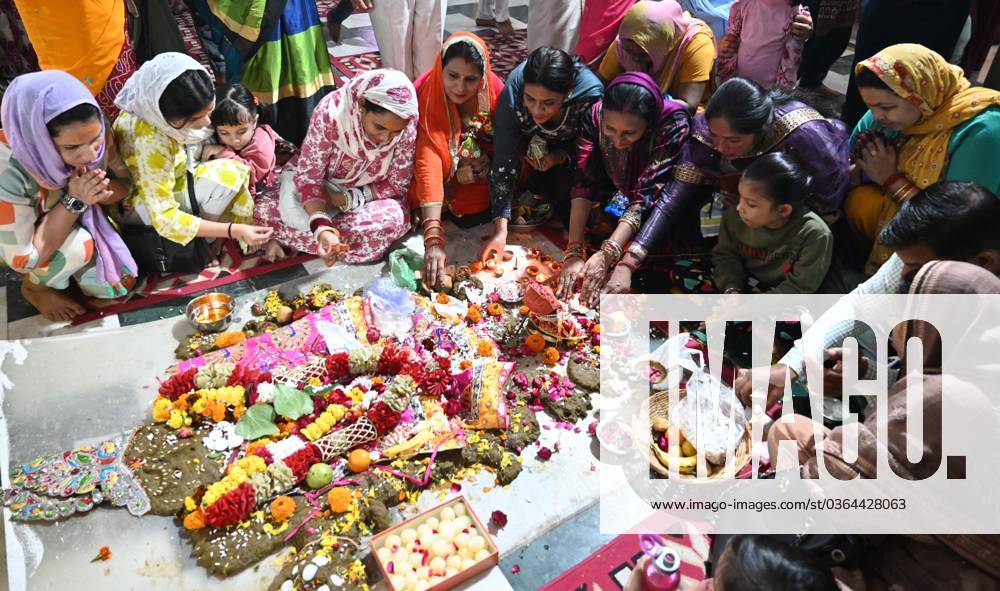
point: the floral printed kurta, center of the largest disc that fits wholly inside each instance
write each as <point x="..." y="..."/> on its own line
<point x="158" y="165"/>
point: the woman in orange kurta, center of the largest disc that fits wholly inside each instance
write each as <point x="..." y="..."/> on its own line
<point x="87" y="39"/>
<point x="457" y="98"/>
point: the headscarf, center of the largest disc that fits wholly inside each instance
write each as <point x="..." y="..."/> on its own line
<point x="141" y="94"/>
<point x="626" y="167"/>
<point x="389" y="89"/>
<point x="944" y="96"/>
<point x="662" y="29"/>
<point x="439" y="116"/>
<point x="31" y="101"/>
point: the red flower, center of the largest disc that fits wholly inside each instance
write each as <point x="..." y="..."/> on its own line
<point x="178" y="384"/>
<point x="233" y="507"/>
<point x="435" y="382"/>
<point x="373" y="335"/>
<point x="498" y="518"/>
<point x="786" y="268"/>
<point x="338" y="367"/>
<point x="263" y="453"/>
<point x="338" y="396"/>
<point x="384" y="418"/>
<point x="544" y="453"/>
<point x="391" y="361"/>
<point x="300" y="461"/>
<point x="452" y="408"/>
<point x="444" y="363"/>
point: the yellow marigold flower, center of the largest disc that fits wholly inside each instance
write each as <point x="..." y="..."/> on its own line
<point x="189" y="504"/>
<point x="161" y="409"/>
<point x="176" y="420"/>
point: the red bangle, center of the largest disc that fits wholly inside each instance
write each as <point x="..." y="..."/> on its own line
<point x="630" y="266"/>
<point x="889" y="182"/>
<point x="318" y="222"/>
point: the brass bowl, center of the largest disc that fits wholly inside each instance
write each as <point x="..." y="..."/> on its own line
<point x="211" y="312"/>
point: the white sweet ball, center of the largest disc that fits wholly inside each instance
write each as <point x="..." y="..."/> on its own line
<point x="459" y="509"/>
<point x="411" y="580"/>
<point x="447" y="514"/>
<point x="441" y="548"/>
<point x="436" y="580"/>
<point x="424" y="573"/>
<point x="454" y="561"/>
<point x="432" y="522"/>
<point x="416" y="560"/>
<point x="384" y="554"/>
<point x="461" y="540"/>
<point x="427" y="541"/>
<point x="464" y="552"/>
<point x="476" y="543"/>
<point x="400" y="555"/>
<point x="438" y="565"/>
<point x="468" y="563"/>
<point x="482" y="554"/>
<point x="462" y="522"/>
<point x="450" y="572"/>
<point x="446" y="532"/>
<point x="398" y="581"/>
<point x="422" y="586"/>
<point x="408" y="536"/>
<point x="424" y="530"/>
<point x="391" y="541"/>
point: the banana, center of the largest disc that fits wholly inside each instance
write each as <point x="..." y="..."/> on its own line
<point x="412" y="444"/>
<point x="684" y="465"/>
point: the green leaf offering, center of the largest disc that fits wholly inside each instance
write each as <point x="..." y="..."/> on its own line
<point x="291" y="403"/>
<point x="257" y="422"/>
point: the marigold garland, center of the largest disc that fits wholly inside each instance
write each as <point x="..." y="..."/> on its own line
<point x="494" y="309"/>
<point x="474" y="314"/>
<point x="484" y="348"/>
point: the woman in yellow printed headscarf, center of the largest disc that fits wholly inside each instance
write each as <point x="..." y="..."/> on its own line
<point x="660" y="39"/>
<point x="925" y="123"/>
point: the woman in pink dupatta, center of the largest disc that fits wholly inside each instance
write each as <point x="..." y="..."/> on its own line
<point x="660" y="39"/>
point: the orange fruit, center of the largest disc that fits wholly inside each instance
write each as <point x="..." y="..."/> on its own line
<point x="359" y="460"/>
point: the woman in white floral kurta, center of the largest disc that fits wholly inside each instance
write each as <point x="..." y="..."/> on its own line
<point x="353" y="173"/>
<point x="164" y="120"/>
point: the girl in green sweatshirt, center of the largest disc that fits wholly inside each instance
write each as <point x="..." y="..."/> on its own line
<point x="771" y="240"/>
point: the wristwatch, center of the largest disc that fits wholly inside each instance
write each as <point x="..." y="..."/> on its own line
<point x="72" y="204"/>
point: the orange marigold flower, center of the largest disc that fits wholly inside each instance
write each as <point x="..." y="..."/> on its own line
<point x="286" y="427"/>
<point x="442" y="298"/>
<point x="476" y="267"/>
<point x="465" y="364"/>
<point x="474" y="314"/>
<point x="523" y="309"/>
<point x="194" y="520"/>
<point x="494" y="309"/>
<point x="238" y="411"/>
<point x="215" y="410"/>
<point x="535" y="342"/>
<point x="551" y="355"/>
<point x="282" y="507"/>
<point x="484" y="348"/>
<point x="340" y="499"/>
<point x="103" y="554"/>
<point x="228" y="339"/>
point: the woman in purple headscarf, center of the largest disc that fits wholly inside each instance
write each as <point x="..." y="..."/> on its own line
<point x="628" y="144"/>
<point x="56" y="169"/>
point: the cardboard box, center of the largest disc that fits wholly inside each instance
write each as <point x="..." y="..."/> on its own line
<point x="378" y="541"/>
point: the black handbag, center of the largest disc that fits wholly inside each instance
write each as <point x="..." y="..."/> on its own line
<point x="155" y="254"/>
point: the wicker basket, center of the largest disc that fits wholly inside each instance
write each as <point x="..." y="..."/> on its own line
<point x="659" y="406"/>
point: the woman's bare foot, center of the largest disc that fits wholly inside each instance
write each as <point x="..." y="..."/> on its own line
<point x="506" y="28"/>
<point x="215" y="251"/>
<point x="53" y="304"/>
<point x="273" y="251"/>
